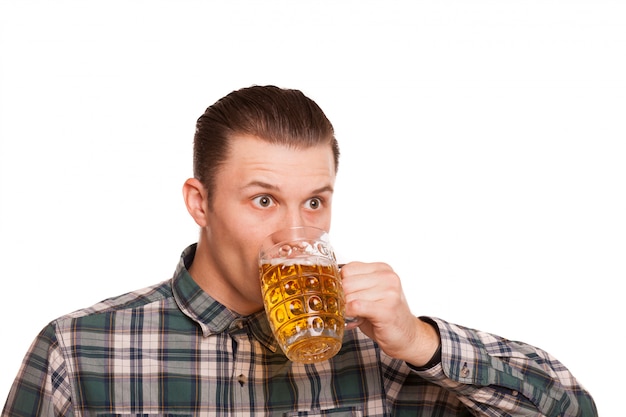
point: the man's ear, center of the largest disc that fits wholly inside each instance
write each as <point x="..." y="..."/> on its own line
<point x="195" y="194"/>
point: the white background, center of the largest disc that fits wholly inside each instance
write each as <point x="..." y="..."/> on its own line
<point x="483" y="153"/>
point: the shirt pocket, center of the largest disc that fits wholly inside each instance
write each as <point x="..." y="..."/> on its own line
<point x="334" y="412"/>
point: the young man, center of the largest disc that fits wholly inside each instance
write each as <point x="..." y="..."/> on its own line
<point x="198" y="344"/>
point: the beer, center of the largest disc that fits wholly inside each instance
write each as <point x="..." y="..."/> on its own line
<point x="305" y="306"/>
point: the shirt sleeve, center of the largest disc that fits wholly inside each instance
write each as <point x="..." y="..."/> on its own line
<point x="495" y="376"/>
<point x="41" y="387"/>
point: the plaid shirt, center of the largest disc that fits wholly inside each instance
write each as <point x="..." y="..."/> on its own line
<point x="172" y="350"/>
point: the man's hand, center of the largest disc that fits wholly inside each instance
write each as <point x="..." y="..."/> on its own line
<point x="374" y="293"/>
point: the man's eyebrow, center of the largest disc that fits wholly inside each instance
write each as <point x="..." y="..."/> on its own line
<point x="327" y="188"/>
<point x="261" y="184"/>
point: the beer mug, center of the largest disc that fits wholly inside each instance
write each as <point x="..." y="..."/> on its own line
<point x="302" y="293"/>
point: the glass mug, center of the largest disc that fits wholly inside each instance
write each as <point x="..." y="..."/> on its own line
<point x="302" y="293"/>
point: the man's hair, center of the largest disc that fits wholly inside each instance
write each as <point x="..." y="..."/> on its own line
<point x="276" y="115"/>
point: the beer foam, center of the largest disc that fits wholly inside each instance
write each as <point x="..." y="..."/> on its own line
<point x="304" y="260"/>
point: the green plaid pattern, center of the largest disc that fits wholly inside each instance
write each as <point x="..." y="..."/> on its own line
<point x="172" y="350"/>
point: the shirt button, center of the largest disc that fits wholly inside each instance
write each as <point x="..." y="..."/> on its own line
<point x="465" y="372"/>
<point x="238" y="324"/>
<point x="242" y="379"/>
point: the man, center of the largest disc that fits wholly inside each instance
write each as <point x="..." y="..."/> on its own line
<point x="265" y="158"/>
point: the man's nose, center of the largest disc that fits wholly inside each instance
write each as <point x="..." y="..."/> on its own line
<point x="294" y="218"/>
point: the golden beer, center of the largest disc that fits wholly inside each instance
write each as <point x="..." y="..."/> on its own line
<point x="305" y="306"/>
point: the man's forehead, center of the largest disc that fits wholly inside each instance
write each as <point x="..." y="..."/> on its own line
<point x="252" y="150"/>
<point x="260" y="165"/>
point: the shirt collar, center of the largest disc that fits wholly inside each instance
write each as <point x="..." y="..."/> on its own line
<point x="212" y="316"/>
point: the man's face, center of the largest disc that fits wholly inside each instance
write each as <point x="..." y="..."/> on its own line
<point x="260" y="189"/>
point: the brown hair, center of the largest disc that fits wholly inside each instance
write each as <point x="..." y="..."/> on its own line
<point x="280" y="116"/>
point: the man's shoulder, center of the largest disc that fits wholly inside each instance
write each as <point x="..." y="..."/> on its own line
<point x="140" y="299"/>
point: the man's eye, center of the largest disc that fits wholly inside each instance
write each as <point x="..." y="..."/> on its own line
<point x="314" y="203"/>
<point x="263" y="201"/>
